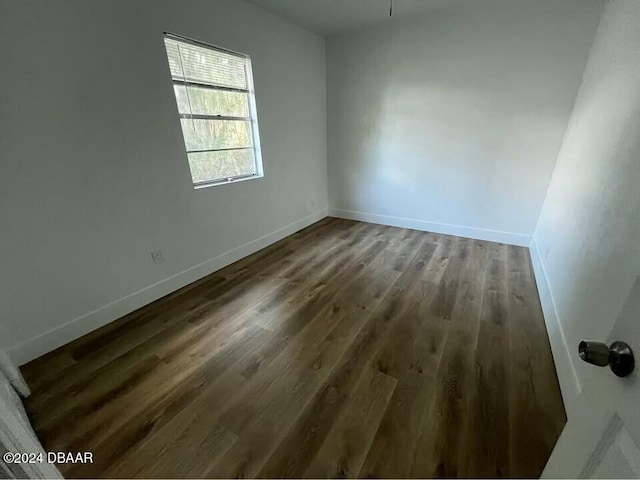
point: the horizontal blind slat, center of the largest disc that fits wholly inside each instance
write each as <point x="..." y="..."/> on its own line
<point x="189" y="62"/>
<point x="214" y="96"/>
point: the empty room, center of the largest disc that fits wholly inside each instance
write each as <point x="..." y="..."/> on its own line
<point x="319" y="238"/>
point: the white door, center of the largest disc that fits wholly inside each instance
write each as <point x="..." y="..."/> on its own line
<point x="602" y="437"/>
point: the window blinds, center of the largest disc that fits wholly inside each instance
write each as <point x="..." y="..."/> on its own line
<point x="213" y="94"/>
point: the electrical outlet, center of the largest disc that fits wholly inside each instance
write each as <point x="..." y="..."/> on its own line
<point x="157" y="256"/>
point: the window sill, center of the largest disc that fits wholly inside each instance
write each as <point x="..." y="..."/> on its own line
<point x="201" y="186"/>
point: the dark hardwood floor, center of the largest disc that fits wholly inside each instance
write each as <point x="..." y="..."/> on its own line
<point x="347" y="349"/>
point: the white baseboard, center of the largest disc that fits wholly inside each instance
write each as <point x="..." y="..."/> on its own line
<point x="569" y="382"/>
<point x="519" y="239"/>
<point x="77" y="327"/>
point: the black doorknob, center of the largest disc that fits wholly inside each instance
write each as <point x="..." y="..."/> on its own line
<point x="618" y="356"/>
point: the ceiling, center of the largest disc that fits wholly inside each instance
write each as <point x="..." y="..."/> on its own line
<point x="329" y="17"/>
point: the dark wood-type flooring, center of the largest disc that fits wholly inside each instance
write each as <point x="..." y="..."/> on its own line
<point x="347" y="349"/>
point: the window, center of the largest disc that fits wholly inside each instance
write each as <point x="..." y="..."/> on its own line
<point x="216" y="104"/>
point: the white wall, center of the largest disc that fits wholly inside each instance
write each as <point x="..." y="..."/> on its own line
<point x="587" y="243"/>
<point x="93" y="173"/>
<point x="452" y="122"/>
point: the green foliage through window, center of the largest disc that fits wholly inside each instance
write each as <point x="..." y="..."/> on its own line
<point x="214" y="97"/>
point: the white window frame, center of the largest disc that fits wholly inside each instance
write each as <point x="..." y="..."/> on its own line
<point x="252" y="119"/>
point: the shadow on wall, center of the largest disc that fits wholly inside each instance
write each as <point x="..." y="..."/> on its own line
<point x="589" y="227"/>
<point x="457" y="117"/>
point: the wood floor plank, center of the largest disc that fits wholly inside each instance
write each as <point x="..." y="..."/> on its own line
<point x="298" y="448"/>
<point x="194" y="460"/>
<point x="344" y="449"/>
<point x="128" y="420"/>
<point x="189" y="373"/>
<point x="487" y="454"/>
<point x="303" y="376"/>
<point x="226" y="305"/>
<point x="412" y="356"/>
<point x="346" y="349"/>
<point x="111" y="340"/>
<point x="534" y="394"/>
<point x="440" y="449"/>
<point x="296" y="345"/>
